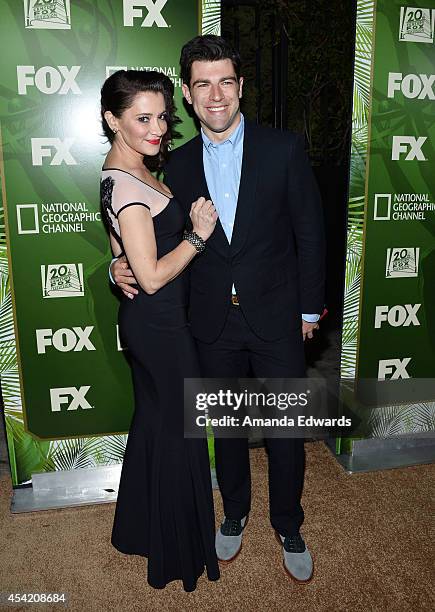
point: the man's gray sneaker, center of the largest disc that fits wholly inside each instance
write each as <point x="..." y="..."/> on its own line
<point x="297" y="562"/>
<point x="229" y="539"/>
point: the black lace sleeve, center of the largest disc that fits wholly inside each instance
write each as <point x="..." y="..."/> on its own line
<point x="106" y="190"/>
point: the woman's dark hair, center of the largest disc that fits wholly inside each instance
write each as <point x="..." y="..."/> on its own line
<point x="208" y="48"/>
<point x="118" y="93"/>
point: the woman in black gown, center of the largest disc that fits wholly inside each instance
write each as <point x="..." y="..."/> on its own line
<point x="165" y="505"/>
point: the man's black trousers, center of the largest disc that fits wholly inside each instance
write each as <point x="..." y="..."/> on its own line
<point x="239" y="353"/>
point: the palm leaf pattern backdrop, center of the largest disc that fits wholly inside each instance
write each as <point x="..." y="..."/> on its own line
<point x="26" y="454"/>
<point x="392" y="420"/>
<point x="211" y="17"/>
<point x="356" y="205"/>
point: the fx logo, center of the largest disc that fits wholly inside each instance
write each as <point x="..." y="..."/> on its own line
<point x="412" y="85"/>
<point x="395" y="367"/>
<point x="133" y="8"/>
<point x="71" y="396"/>
<point x="64" y="339"/>
<point x="55" y="149"/>
<point x="397" y="316"/>
<point x="409" y="145"/>
<point x="48" y="79"/>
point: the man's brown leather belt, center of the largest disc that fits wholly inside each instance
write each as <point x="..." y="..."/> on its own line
<point x="235" y="300"/>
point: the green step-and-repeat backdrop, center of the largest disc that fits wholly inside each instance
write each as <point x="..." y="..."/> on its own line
<point x="389" y="323"/>
<point x="66" y="385"/>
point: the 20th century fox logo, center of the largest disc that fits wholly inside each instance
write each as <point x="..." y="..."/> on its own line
<point x="417" y="24"/>
<point x="62" y="280"/>
<point x="47" y="14"/>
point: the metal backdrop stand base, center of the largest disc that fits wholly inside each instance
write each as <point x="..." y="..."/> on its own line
<point x="52" y="490"/>
<point x="82" y="487"/>
<point x="387" y="453"/>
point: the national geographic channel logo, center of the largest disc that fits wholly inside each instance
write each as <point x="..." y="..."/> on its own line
<point x="47" y="14"/>
<point x="170" y="71"/>
<point x="403" y="207"/>
<point x="55" y="218"/>
<point x="417" y="24"/>
<point x="62" y="280"/>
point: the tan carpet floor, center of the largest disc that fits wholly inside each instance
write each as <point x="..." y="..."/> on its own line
<point x="370" y="535"/>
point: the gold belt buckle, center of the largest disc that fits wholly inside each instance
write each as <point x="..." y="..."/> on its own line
<point x="235" y="300"/>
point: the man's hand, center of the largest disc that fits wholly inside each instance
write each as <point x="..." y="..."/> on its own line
<point x="124" y="277"/>
<point x="308" y="328"/>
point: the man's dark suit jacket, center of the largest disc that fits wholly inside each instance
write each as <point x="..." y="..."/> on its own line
<point x="276" y="257"/>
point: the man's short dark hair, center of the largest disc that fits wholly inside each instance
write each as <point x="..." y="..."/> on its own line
<point x="208" y="48"/>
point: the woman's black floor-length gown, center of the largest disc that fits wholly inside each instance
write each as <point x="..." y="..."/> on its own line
<point x="165" y="504"/>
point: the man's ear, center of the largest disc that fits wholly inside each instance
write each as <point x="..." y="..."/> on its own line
<point x="240" y="86"/>
<point x="186" y="92"/>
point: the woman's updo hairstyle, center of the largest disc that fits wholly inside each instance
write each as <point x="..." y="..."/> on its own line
<point x="118" y="93"/>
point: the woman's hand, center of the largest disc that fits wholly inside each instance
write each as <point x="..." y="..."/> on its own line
<point x="203" y="216"/>
<point x="123" y="276"/>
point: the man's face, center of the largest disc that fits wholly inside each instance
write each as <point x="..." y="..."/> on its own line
<point x="214" y="93"/>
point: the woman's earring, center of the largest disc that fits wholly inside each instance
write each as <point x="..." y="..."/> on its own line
<point x="115" y="130"/>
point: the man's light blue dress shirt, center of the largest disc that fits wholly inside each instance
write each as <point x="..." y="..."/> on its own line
<point x="222" y="168"/>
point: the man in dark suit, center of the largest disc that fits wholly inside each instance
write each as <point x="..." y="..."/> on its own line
<point x="257" y="290"/>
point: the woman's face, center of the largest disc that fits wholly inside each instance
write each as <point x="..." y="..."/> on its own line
<point x="142" y="126"/>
